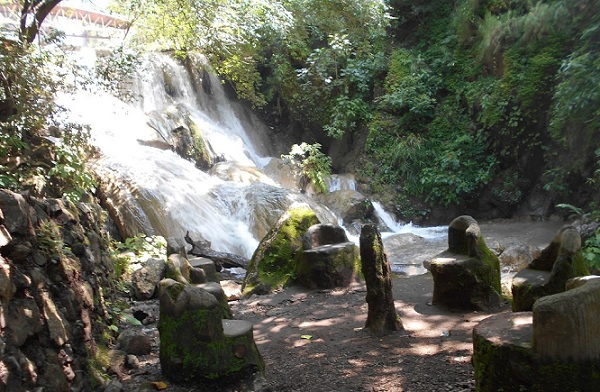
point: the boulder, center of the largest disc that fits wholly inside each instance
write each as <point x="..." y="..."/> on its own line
<point x="196" y="344"/>
<point x="273" y="265"/>
<point x="467" y="274"/>
<point x="547" y="274"/>
<point x="135" y="343"/>
<point x="145" y="279"/>
<point x="350" y="205"/>
<point x="323" y="234"/>
<point x="178" y="268"/>
<point x="208" y="268"/>
<point x="329" y="266"/>
<point x="516" y="257"/>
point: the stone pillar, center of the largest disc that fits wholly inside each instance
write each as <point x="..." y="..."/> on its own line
<point x="382" y="317"/>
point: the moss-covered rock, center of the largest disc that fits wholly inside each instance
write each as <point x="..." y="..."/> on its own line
<point x="273" y="265"/>
<point x="196" y="344"/>
<point x="467" y="275"/>
<point x="548" y="274"/>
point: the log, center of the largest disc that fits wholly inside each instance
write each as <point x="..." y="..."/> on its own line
<point x="221" y="259"/>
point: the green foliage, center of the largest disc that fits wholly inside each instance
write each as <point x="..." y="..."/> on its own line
<point x="315" y="165"/>
<point x="460" y="169"/>
<point x="114" y="69"/>
<point x="410" y="86"/>
<point x="39" y="153"/>
<point x="591" y="251"/>
<point x="144" y="247"/>
<point x="50" y="243"/>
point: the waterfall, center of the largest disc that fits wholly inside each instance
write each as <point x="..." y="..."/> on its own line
<point x="396" y="227"/>
<point x="151" y="189"/>
<point x="155" y="191"/>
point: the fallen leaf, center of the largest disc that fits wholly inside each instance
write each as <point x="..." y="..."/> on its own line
<point x="307" y="337"/>
<point x="159" y="385"/>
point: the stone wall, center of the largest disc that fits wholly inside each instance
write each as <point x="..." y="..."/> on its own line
<point x="55" y="279"/>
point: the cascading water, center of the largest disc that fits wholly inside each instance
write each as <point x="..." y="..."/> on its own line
<point x="153" y="190"/>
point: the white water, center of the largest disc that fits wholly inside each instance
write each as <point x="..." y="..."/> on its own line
<point x="396" y="227"/>
<point x="155" y="191"/>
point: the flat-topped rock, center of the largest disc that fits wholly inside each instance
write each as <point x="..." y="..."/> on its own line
<point x="556" y="347"/>
<point x="502" y="352"/>
<point x="328" y="266"/>
<point x="235" y="328"/>
<point x="206" y="265"/>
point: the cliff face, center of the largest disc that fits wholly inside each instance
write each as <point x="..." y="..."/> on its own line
<point x="56" y="284"/>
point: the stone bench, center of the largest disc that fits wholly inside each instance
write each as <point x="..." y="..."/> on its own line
<point x="328" y="260"/>
<point x="555" y="347"/>
<point x="547" y="274"/>
<point x="467" y="274"/>
<point x="197" y="344"/>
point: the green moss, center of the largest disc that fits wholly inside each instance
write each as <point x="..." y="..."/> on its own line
<point x="497" y="368"/>
<point x="273" y="265"/>
<point x="205" y="352"/>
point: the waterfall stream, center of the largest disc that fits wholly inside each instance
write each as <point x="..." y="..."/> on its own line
<point x="153" y="190"/>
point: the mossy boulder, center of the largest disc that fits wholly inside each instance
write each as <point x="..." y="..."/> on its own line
<point x="196" y="344"/>
<point x="548" y="274"/>
<point x="273" y="265"/>
<point x="467" y="274"/>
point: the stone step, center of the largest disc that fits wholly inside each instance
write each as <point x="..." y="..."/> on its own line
<point x="237" y="328"/>
<point x="207" y="265"/>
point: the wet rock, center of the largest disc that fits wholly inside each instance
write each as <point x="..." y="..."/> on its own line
<point x="349" y="204"/>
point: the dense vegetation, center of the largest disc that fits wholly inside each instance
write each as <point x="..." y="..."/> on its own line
<point x="460" y="101"/>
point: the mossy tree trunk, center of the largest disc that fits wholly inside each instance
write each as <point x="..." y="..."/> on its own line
<point x="382" y="317"/>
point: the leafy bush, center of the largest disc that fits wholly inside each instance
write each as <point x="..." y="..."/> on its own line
<point x="39" y="153"/>
<point x="591" y="251"/>
<point x="315" y="165"/>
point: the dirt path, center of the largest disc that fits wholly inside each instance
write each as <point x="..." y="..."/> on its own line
<point x="314" y="341"/>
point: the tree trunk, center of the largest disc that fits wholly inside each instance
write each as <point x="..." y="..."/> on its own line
<point x="382" y="317"/>
<point x="33" y="14"/>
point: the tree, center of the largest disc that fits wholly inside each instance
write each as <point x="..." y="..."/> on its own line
<point x="33" y="14"/>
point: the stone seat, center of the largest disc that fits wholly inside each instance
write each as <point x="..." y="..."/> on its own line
<point x="197" y="344"/>
<point x="547" y="274"/>
<point x="328" y="266"/>
<point x="467" y="274"/>
<point x="555" y="347"/>
<point x="217" y="291"/>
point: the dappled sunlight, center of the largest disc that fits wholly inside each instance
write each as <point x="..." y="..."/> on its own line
<point x="326" y="329"/>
